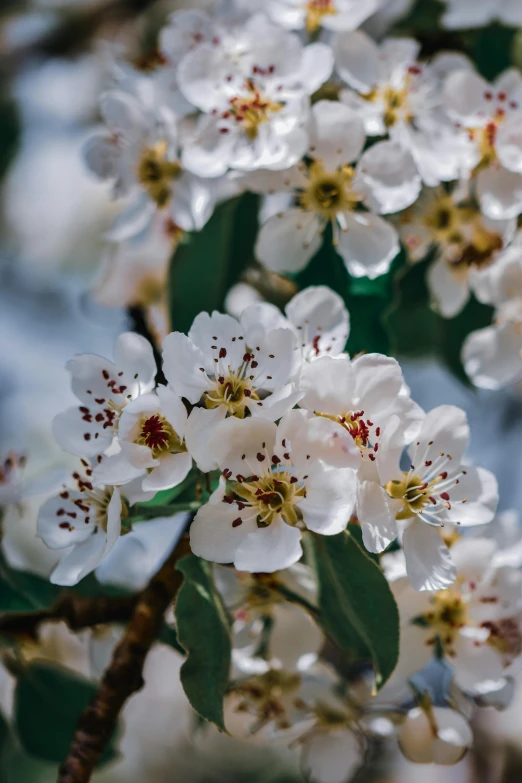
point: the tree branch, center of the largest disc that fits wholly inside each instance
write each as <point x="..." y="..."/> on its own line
<point x="76" y="611"/>
<point x="124" y="675"/>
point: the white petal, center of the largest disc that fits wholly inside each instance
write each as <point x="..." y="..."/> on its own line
<point x="321" y="320"/>
<point x="218" y="335"/>
<point x="500" y="193"/>
<point x="182" y="363"/>
<point x="293" y="635"/>
<point x="492" y="356"/>
<point x="475" y="664"/>
<point x="332" y="756"/>
<point x="134" y="355"/>
<point x="508" y="143"/>
<point x="242" y="444"/>
<point x="117" y="469"/>
<point x="388" y="177"/>
<point x="378" y="382"/>
<point x="377" y="519"/>
<point x="449" y="288"/>
<point x="286" y="242"/>
<point x="198" y="433"/>
<point x="368" y="245"/>
<point x="269" y="549"/>
<point x="337" y="134"/>
<point x="463" y="94"/>
<point x="80" y="561"/>
<point x="428" y="560"/>
<point x="328" y="441"/>
<point x="330" y="500"/>
<point x="328" y="385"/>
<point x="316" y="66"/>
<point x="79" y="433"/>
<point x="445" y="429"/>
<point x="134" y="219"/>
<point x="357" y="60"/>
<point x="479" y="488"/>
<point x="171" y="471"/>
<point x="101" y="155"/>
<point x="213" y="534"/>
<point x="122" y="112"/>
<point x="278" y="403"/>
<point x="57" y="528"/>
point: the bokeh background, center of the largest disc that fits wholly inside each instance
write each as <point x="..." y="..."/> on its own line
<point x="53" y="214"/>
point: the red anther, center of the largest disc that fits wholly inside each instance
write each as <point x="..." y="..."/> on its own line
<point x="260" y="457"/>
<point x="444" y="496"/>
<point x="237" y="522"/>
<point x="222" y="353"/>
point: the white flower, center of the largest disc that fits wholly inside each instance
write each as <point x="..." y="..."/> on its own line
<point x="492" y="356"/>
<point x="466" y="244"/>
<point x="232" y="368"/>
<point x="139" y="154"/>
<point x="255" y="103"/>
<point x="151" y="435"/>
<point x="270" y="632"/>
<point x="86" y="522"/>
<point x="312" y="14"/>
<point x="11" y="479"/>
<point x="330" y="190"/>
<point x="436" y="490"/>
<point x="276" y="482"/>
<point x="104" y="388"/>
<point x="397" y="96"/>
<point x="491" y="116"/>
<point x="435" y="735"/>
<point x="475" y="621"/>
<point x="360" y="397"/>
<point x="462" y="14"/>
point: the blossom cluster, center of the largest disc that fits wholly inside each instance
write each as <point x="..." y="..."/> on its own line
<point x="365" y="139"/>
<point x="257" y="420"/>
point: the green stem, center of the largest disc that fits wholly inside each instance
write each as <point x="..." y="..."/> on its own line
<point x="295" y="598"/>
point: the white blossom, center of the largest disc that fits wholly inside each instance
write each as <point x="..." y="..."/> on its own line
<point x="331" y="191"/>
<point x="436" y="490"/>
<point x="103" y="389"/>
<point x="312" y="14"/>
<point x="276" y="482"/>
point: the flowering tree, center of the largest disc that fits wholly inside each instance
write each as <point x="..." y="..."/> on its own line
<point x="301" y="203"/>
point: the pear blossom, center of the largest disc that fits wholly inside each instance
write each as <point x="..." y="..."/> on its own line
<point x="276" y="483"/>
<point x="103" y="389"/>
<point x="466" y="242"/>
<point x="435" y="735"/>
<point x="476" y="621"/>
<point x="436" y="490"/>
<point x="255" y="102"/>
<point x="11" y="478"/>
<point x="151" y="434"/>
<point x="331" y="191"/>
<point x="492" y="356"/>
<point x="267" y="630"/>
<point x="139" y="154"/>
<point x="320" y="320"/>
<point x="86" y="522"/>
<point x="360" y="397"/>
<point x="313" y="14"/>
<point x="398" y="96"/>
<point x="232" y="367"/>
<point x="490" y="115"/>
<point x="462" y="14"/>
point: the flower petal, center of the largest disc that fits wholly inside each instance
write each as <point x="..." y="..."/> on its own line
<point x="330" y="500"/>
<point x="337" y="134"/>
<point x="215" y="533"/>
<point x="377" y="519"/>
<point x="171" y="471"/>
<point x="388" y="178"/>
<point x="287" y="241"/>
<point x="368" y="245"/>
<point x="428" y="560"/>
<point x="269" y="549"/>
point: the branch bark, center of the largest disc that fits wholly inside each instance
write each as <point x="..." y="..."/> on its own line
<point x="124" y="675"/>
<point x="76" y="611"/>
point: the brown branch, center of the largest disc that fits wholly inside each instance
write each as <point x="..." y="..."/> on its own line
<point x="76" y="611"/>
<point x="124" y="675"/>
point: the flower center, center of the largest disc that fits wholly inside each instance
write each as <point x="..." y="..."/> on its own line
<point x="251" y="109"/>
<point x="275" y="494"/>
<point x="232" y="391"/>
<point x="445" y="618"/>
<point x="156" y="172"/>
<point x="363" y="431"/>
<point x="269" y="697"/>
<point x="329" y="193"/>
<point x="315" y="11"/>
<point x="505" y="636"/>
<point x="159" y="436"/>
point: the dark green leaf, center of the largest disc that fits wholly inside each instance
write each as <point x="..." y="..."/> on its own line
<point x="356" y="606"/>
<point x="203" y="631"/>
<point x="168" y="636"/>
<point x="208" y="262"/>
<point x="48" y="702"/>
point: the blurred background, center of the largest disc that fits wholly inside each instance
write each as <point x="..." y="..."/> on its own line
<point x="53" y="215"/>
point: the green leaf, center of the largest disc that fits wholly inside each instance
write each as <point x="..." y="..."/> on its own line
<point x="207" y="263"/>
<point x="48" y="703"/>
<point x="204" y="633"/>
<point x="356" y="606"/>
